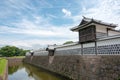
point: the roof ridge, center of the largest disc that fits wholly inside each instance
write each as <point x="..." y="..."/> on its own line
<point x="91" y="20"/>
<point x="96" y="20"/>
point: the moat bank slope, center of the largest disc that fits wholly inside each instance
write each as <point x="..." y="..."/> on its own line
<point x="3" y="69"/>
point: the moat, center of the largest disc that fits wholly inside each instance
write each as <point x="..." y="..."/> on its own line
<point x="28" y="72"/>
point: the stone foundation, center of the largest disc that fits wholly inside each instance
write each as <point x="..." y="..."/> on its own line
<point x="80" y="67"/>
<point x="14" y="61"/>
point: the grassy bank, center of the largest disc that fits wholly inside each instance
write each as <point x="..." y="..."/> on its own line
<point x="3" y="64"/>
<point x="17" y="57"/>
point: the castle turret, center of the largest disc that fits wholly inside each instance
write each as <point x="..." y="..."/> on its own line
<point x="91" y="29"/>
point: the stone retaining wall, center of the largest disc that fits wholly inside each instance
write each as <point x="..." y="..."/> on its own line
<point x="98" y="60"/>
<point x="78" y="67"/>
<point x="14" y="61"/>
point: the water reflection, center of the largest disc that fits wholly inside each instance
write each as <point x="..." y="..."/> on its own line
<point x="13" y="69"/>
<point x="28" y="72"/>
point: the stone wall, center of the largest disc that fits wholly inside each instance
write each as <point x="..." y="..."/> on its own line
<point x="14" y="61"/>
<point x="87" y="61"/>
<point x="80" y="67"/>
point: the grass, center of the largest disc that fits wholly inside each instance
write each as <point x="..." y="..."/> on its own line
<point x="17" y="57"/>
<point x="3" y="63"/>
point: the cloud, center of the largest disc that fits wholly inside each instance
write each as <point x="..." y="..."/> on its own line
<point x="37" y="22"/>
<point x="52" y="16"/>
<point x="44" y="33"/>
<point x="20" y="8"/>
<point x="38" y="28"/>
<point x="32" y="43"/>
<point x="66" y="12"/>
<point x="28" y="21"/>
<point x="107" y="10"/>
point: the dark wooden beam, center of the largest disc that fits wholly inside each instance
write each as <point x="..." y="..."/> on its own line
<point x="82" y="48"/>
<point x="96" y="47"/>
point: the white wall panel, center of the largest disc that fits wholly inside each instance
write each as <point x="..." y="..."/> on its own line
<point x="108" y="42"/>
<point x="92" y="44"/>
<point x="37" y="53"/>
<point x="27" y="54"/>
<point x="69" y="47"/>
<point x="111" y="33"/>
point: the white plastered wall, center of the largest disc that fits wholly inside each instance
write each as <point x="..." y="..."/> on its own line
<point x="92" y="44"/>
<point x="37" y="53"/>
<point x="28" y="54"/>
<point x="108" y="42"/>
<point x="101" y="28"/>
<point x="112" y="33"/>
<point x="69" y="47"/>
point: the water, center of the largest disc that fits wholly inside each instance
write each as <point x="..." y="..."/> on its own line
<point x="28" y="72"/>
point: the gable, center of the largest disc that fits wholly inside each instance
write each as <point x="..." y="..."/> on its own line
<point x="83" y="22"/>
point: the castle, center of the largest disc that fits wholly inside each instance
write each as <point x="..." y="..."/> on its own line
<point x="94" y="37"/>
<point x="96" y="56"/>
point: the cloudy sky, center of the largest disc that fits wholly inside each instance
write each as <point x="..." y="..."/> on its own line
<point x="32" y="24"/>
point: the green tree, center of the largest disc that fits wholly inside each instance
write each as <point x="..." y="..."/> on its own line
<point x="67" y="42"/>
<point x="9" y="51"/>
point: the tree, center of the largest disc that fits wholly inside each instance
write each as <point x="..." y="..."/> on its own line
<point x="67" y="42"/>
<point x="9" y="51"/>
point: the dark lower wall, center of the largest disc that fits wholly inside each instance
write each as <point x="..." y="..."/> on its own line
<point x="80" y="67"/>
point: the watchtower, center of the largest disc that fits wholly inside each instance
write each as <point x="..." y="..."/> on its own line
<point x="91" y="29"/>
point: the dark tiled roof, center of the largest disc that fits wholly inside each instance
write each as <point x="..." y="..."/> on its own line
<point x="85" y="21"/>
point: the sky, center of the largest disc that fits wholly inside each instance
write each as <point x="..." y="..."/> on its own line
<point x="34" y="24"/>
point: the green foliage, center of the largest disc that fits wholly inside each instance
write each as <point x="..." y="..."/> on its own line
<point x="3" y="63"/>
<point x="67" y="42"/>
<point x="17" y="57"/>
<point x="9" y="51"/>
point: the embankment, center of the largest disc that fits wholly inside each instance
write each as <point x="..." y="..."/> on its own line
<point x="3" y="69"/>
<point x="5" y="63"/>
<point x="80" y="67"/>
<point x="98" y="60"/>
<point x="14" y="61"/>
